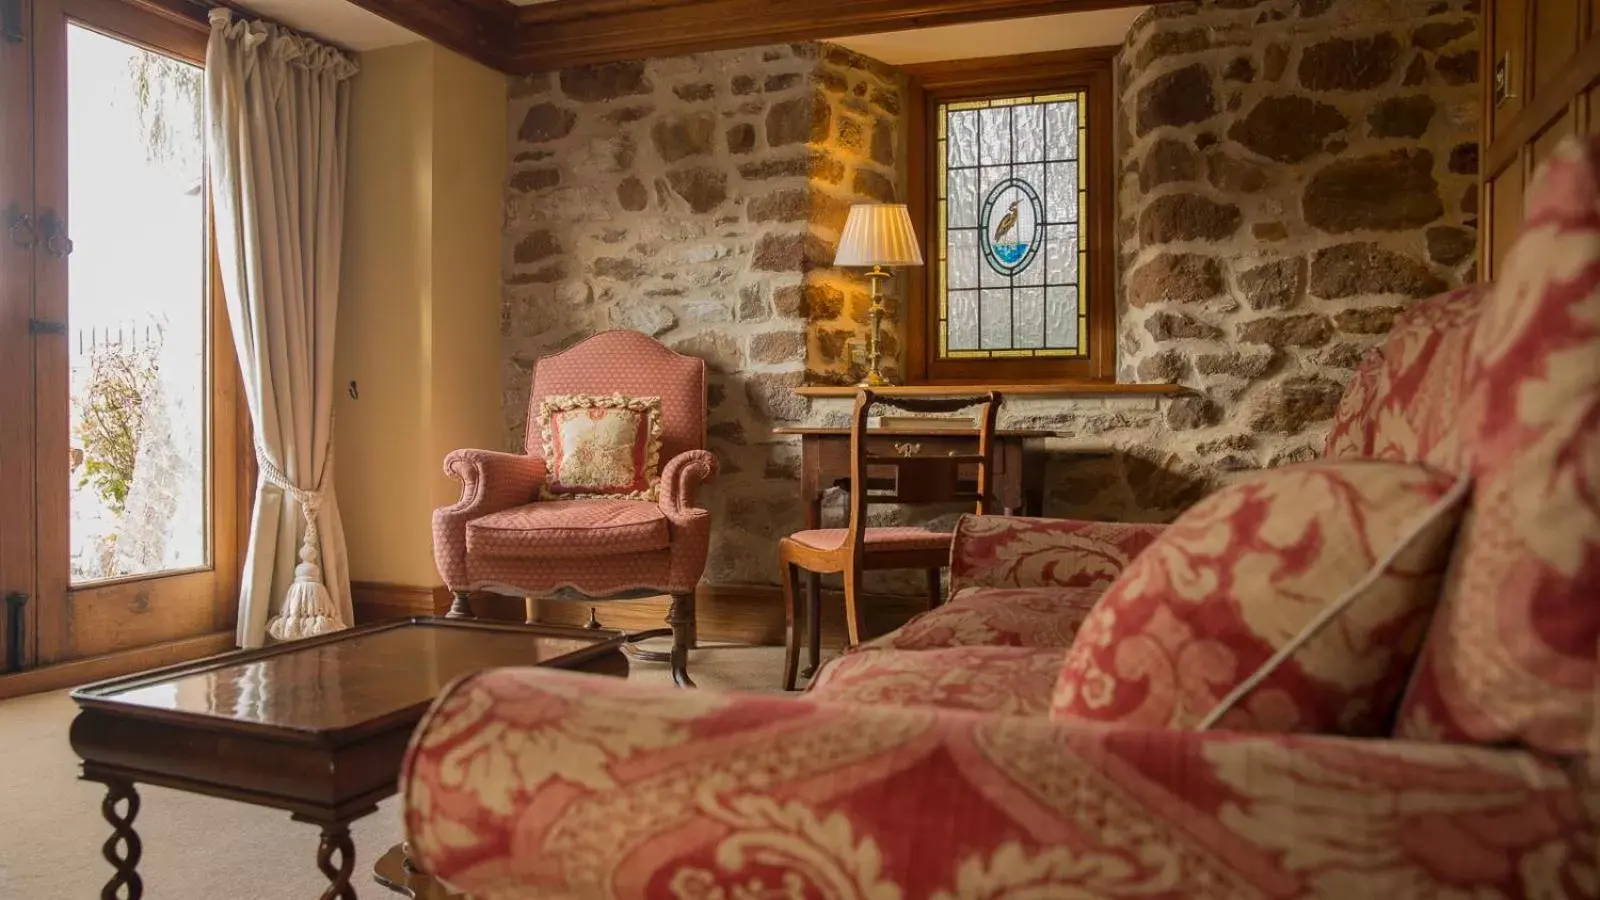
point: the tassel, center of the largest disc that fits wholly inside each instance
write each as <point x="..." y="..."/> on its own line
<point x="307" y="606"/>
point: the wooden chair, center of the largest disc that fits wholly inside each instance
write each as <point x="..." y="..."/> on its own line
<point x="878" y="477"/>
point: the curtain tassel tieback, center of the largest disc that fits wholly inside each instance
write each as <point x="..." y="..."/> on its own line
<point x="308" y="608"/>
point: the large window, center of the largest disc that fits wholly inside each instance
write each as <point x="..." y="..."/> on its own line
<point x="1015" y="209"/>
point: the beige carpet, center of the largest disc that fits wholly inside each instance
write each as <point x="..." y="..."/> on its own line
<point x="197" y="848"/>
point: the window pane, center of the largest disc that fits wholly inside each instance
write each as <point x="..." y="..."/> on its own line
<point x="994" y="139"/>
<point x="1061" y="317"/>
<point x="1013" y="226"/>
<point x="1030" y="133"/>
<point x="963" y="198"/>
<point x="963" y="138"/>
<point x="137" y="303"/>
<point x="963" y="325"/>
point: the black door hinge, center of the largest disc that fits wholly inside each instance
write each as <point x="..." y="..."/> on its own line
<point x="11" y="21"/>
<point x="16" y="622"/>
<point x="41" y="326"/>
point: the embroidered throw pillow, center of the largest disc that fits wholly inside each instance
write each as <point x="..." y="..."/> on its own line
<point x="601" y="447"/>
<point x="1241" y="574"/>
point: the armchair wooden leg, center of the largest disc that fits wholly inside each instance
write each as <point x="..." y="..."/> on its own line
<point x="681" y="617"/>
<point x="791" y="637"/>
<point x="459" y="607"/>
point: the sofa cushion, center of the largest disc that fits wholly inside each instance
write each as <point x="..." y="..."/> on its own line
<point x="1511" y="655"/>
<point x="558" y="529"/>
<point x="1240" y="575"/>
<point x="1003" y="617"/>
<point x="1014" y="681"/>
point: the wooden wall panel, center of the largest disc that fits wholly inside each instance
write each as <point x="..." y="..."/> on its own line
<point x="1506" y="27"/>
<point x="1506" y="213"/>
<point x="1546" y="142"/>
<point x="1594" y="111"/>
<point x="1556" y="30"/>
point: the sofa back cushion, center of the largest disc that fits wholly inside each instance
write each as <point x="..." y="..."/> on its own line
<point x="1241" y="574"/>
<point x="1511" y="655"/>
<point x="634" y="365"/>
<point x="1404" y="402"/>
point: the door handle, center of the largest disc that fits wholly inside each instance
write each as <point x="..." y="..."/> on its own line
<point x="56" y="242"/>
<point x="20" y="226"/>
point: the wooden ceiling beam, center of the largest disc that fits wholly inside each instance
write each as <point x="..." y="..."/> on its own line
<point x="580" y="32"/>
<point x="483" y="30"/>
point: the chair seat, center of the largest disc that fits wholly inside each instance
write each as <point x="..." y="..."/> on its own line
<point x="556" y="529"/>
<point x="895" y="538"/>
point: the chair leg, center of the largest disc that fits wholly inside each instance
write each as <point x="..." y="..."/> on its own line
<point x="459" y="607"/>
<point x="813" y="623"/>
<point x="681" y="617"/>
<point x="791" y="639"/>
<point x="852" y="610"/>
<point x="935" y="589"/>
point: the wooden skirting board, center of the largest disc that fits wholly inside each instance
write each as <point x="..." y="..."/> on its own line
<point x="98" y="668"/>
<point x="745" y="614"/>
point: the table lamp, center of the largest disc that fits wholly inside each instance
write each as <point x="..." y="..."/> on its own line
<point x="877" y="235"/>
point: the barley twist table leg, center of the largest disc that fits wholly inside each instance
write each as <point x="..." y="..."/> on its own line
<point x="336" y="839"/>
<point x="123" y="848"/>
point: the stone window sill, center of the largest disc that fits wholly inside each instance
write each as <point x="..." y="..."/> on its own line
<point x="1079" y="389"/>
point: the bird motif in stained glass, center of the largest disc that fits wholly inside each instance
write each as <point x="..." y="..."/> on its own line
<point x="1012" y="225"/>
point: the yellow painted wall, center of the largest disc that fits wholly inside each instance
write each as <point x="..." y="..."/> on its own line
<point x="420" y="296"/>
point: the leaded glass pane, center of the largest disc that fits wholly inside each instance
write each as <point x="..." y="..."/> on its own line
<point x="963" y="328"/>
<point x="1061" y="254"/>
<point x="1028" y="324"/>
<point x="963" y="138"/>
<point x="995" y="320"/>
<point x="1029" y="130"/>
<point x="1011" y="248"/>
<point x="964" y="259"/>
<point x="1061" y="317"/>
<point x="963" y="187"/>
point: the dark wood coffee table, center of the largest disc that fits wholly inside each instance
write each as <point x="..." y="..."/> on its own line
<point x="317" y="727"/>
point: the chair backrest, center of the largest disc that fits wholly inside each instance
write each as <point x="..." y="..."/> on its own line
<point x="907" y="477"/>
<point x="635" y="365"/>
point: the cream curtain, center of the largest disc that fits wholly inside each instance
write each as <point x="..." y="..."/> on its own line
<point x="277" y="113"/>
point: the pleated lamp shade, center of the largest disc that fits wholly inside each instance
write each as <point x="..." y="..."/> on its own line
<point x="878" y="234"/>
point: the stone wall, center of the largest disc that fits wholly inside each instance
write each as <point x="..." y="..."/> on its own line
<point x="1292" y="174"/>
<point x="1295" y="173"/>
<point x="698" y="199"/>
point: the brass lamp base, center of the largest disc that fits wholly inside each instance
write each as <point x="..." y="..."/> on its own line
<point x="875" y="377"/>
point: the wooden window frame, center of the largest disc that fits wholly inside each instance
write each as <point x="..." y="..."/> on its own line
<point x="1088" y="70"/>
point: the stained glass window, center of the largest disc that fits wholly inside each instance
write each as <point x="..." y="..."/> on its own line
<point x="1012" y="267"/>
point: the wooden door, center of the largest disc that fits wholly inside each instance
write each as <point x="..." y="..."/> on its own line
<point x="17" y="217"/>
<point x="132" y="382"/>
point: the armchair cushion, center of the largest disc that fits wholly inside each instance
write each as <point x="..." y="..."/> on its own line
<point x="1014" y="681"/>
<point x="563" y="529"/>
<point x="599" y="447"/>
<point x="1001" y="617"/>
<point x="1239" y="576"/>
<point x="886" y="538"/>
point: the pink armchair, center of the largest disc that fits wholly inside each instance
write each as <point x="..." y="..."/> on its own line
<point x="500" y="538"/>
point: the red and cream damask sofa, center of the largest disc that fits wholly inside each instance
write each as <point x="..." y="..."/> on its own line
<point x="925" y="764"/>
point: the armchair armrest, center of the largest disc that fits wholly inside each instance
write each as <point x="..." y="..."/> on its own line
<point x="1014" y="552"/>
<point x="681" y="479"/>
<point x="490" y="482"/>
<point x="539" y="783"/>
